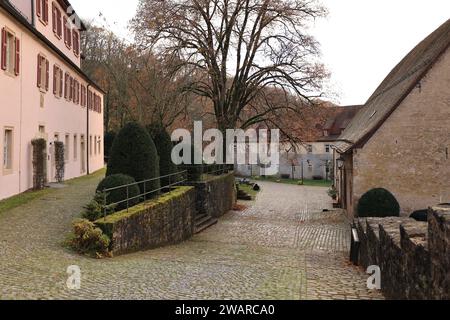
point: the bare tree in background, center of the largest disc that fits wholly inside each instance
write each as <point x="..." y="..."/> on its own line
<point x="242" y="47"/>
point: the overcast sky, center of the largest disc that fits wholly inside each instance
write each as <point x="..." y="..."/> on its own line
<point x="361" y="40"/>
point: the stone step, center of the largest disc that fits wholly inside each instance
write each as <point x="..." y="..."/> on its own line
<point x="205" y="224"/>
<point x="199" y="219"/>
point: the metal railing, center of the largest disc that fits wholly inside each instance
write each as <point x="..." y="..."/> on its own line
<point x="197" y="172"/>
<point x="172" y="180"/>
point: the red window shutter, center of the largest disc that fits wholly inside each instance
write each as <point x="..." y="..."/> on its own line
<point x="65" y="29"/>
<point x="54" y="24"/>
<point x="39" y="71"/>
<point x="66" y="86"/>
<point x="17" y="62"/>
<point x="70" y="88"/>
<point x="69" y="37"/>
<point x="61" y="83"/>
<point x="47" y="76"/>
<point x="38" y="8"/>
<point x="55" y="72"/>
<point x="45" y="13"/>
<point x="3" y="49"/>
<point x="58" y="23"/>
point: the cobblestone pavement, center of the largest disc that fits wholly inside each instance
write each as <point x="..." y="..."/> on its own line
<point x="282" y="247"/>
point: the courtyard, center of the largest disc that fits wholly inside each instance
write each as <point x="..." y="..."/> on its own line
<point x="282" y="246"/>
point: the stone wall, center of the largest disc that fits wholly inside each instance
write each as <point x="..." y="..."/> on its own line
<point x="414" y="257"/>
<point x="166" y="220"/>
<point x="215" y="196"/>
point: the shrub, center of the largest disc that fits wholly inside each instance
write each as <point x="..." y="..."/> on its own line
<point x="60" y="161"/>
<point x="39" y="162"/>
<point x="378" y="203"/>
<point x="134" y="154"/>
<point x="108" y="142"/>
<point x="119" y="195"/>
<point x="163" y="143"/>
<point x="332" y="192"/>
<point x="88" y="239"/>
<point x="96" y="208"/>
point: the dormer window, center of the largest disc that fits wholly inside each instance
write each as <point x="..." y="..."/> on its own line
<point x="76" y="43"/>
<point x="42" y="10"/>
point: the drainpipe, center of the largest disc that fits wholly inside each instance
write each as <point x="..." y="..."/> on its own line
<point x="33" y="10"/>
<point x="88" y="140"/>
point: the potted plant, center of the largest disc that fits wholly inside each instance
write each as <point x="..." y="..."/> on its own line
<point x="332" y="192"/>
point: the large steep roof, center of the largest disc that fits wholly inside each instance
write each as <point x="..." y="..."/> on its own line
<point x="395" y="88"/>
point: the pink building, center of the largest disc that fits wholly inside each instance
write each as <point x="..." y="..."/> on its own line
<point x="44" y="93"/>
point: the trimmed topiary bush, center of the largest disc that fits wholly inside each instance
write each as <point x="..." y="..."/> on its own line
<point x="115" y="196"/>
<point x="378" y="203"/>
<point x="164" y="146"/>
<point x="134" y="154"/>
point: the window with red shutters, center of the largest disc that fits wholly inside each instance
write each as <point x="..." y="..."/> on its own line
<point x="83" y="93"/>
<point x="65" y="29"/>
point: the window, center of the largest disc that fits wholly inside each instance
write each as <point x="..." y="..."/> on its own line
<point x="83" y="96"/>
<point x="8" y="149"/>
<point x="99" y="145"/>
<point x="70" y="88"/>
<point x="43" y="67"/>
<point x="42" y="10"/>
<point x="75" y="147"/>
<point x="66" y="147"/>
<point x="327" y="148"/>
<point x="57" y="22"/>
<point x="10" y="53"/>
<point x="309" y="148"/>
<point x="95" y="145"/>
<point x="325" y="133"/>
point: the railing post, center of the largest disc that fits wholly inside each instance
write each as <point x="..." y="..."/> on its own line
<point x="128" y="198"/>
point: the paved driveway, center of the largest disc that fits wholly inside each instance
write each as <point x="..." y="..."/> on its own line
<point x="283" y="247"/>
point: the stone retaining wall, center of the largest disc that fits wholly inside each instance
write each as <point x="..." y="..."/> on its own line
<point x="414" y="257"/>
<point x="166" y="220"/>
<point x="215" y="196"/>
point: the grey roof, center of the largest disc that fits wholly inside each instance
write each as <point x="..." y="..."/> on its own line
<point x="395" y="88"/>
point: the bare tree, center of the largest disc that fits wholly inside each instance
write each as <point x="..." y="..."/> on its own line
<point x="241" y="47"/>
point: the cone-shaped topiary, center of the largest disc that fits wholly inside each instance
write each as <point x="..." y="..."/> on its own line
<point x="134" y="153"/>
<point x="119" y="195"/>
<point x="378" y="203"/>
<point x="164" y="146"/>
<point x="108" y="141"/>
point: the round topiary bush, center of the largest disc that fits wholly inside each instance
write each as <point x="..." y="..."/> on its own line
<point x="115" y="196"/>
<point x="378" y="203"/>
<point x="134" y="154"/>
<point x="164" y="146"/>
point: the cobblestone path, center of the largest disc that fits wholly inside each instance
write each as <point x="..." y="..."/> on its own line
<point x="282" y="247"/>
